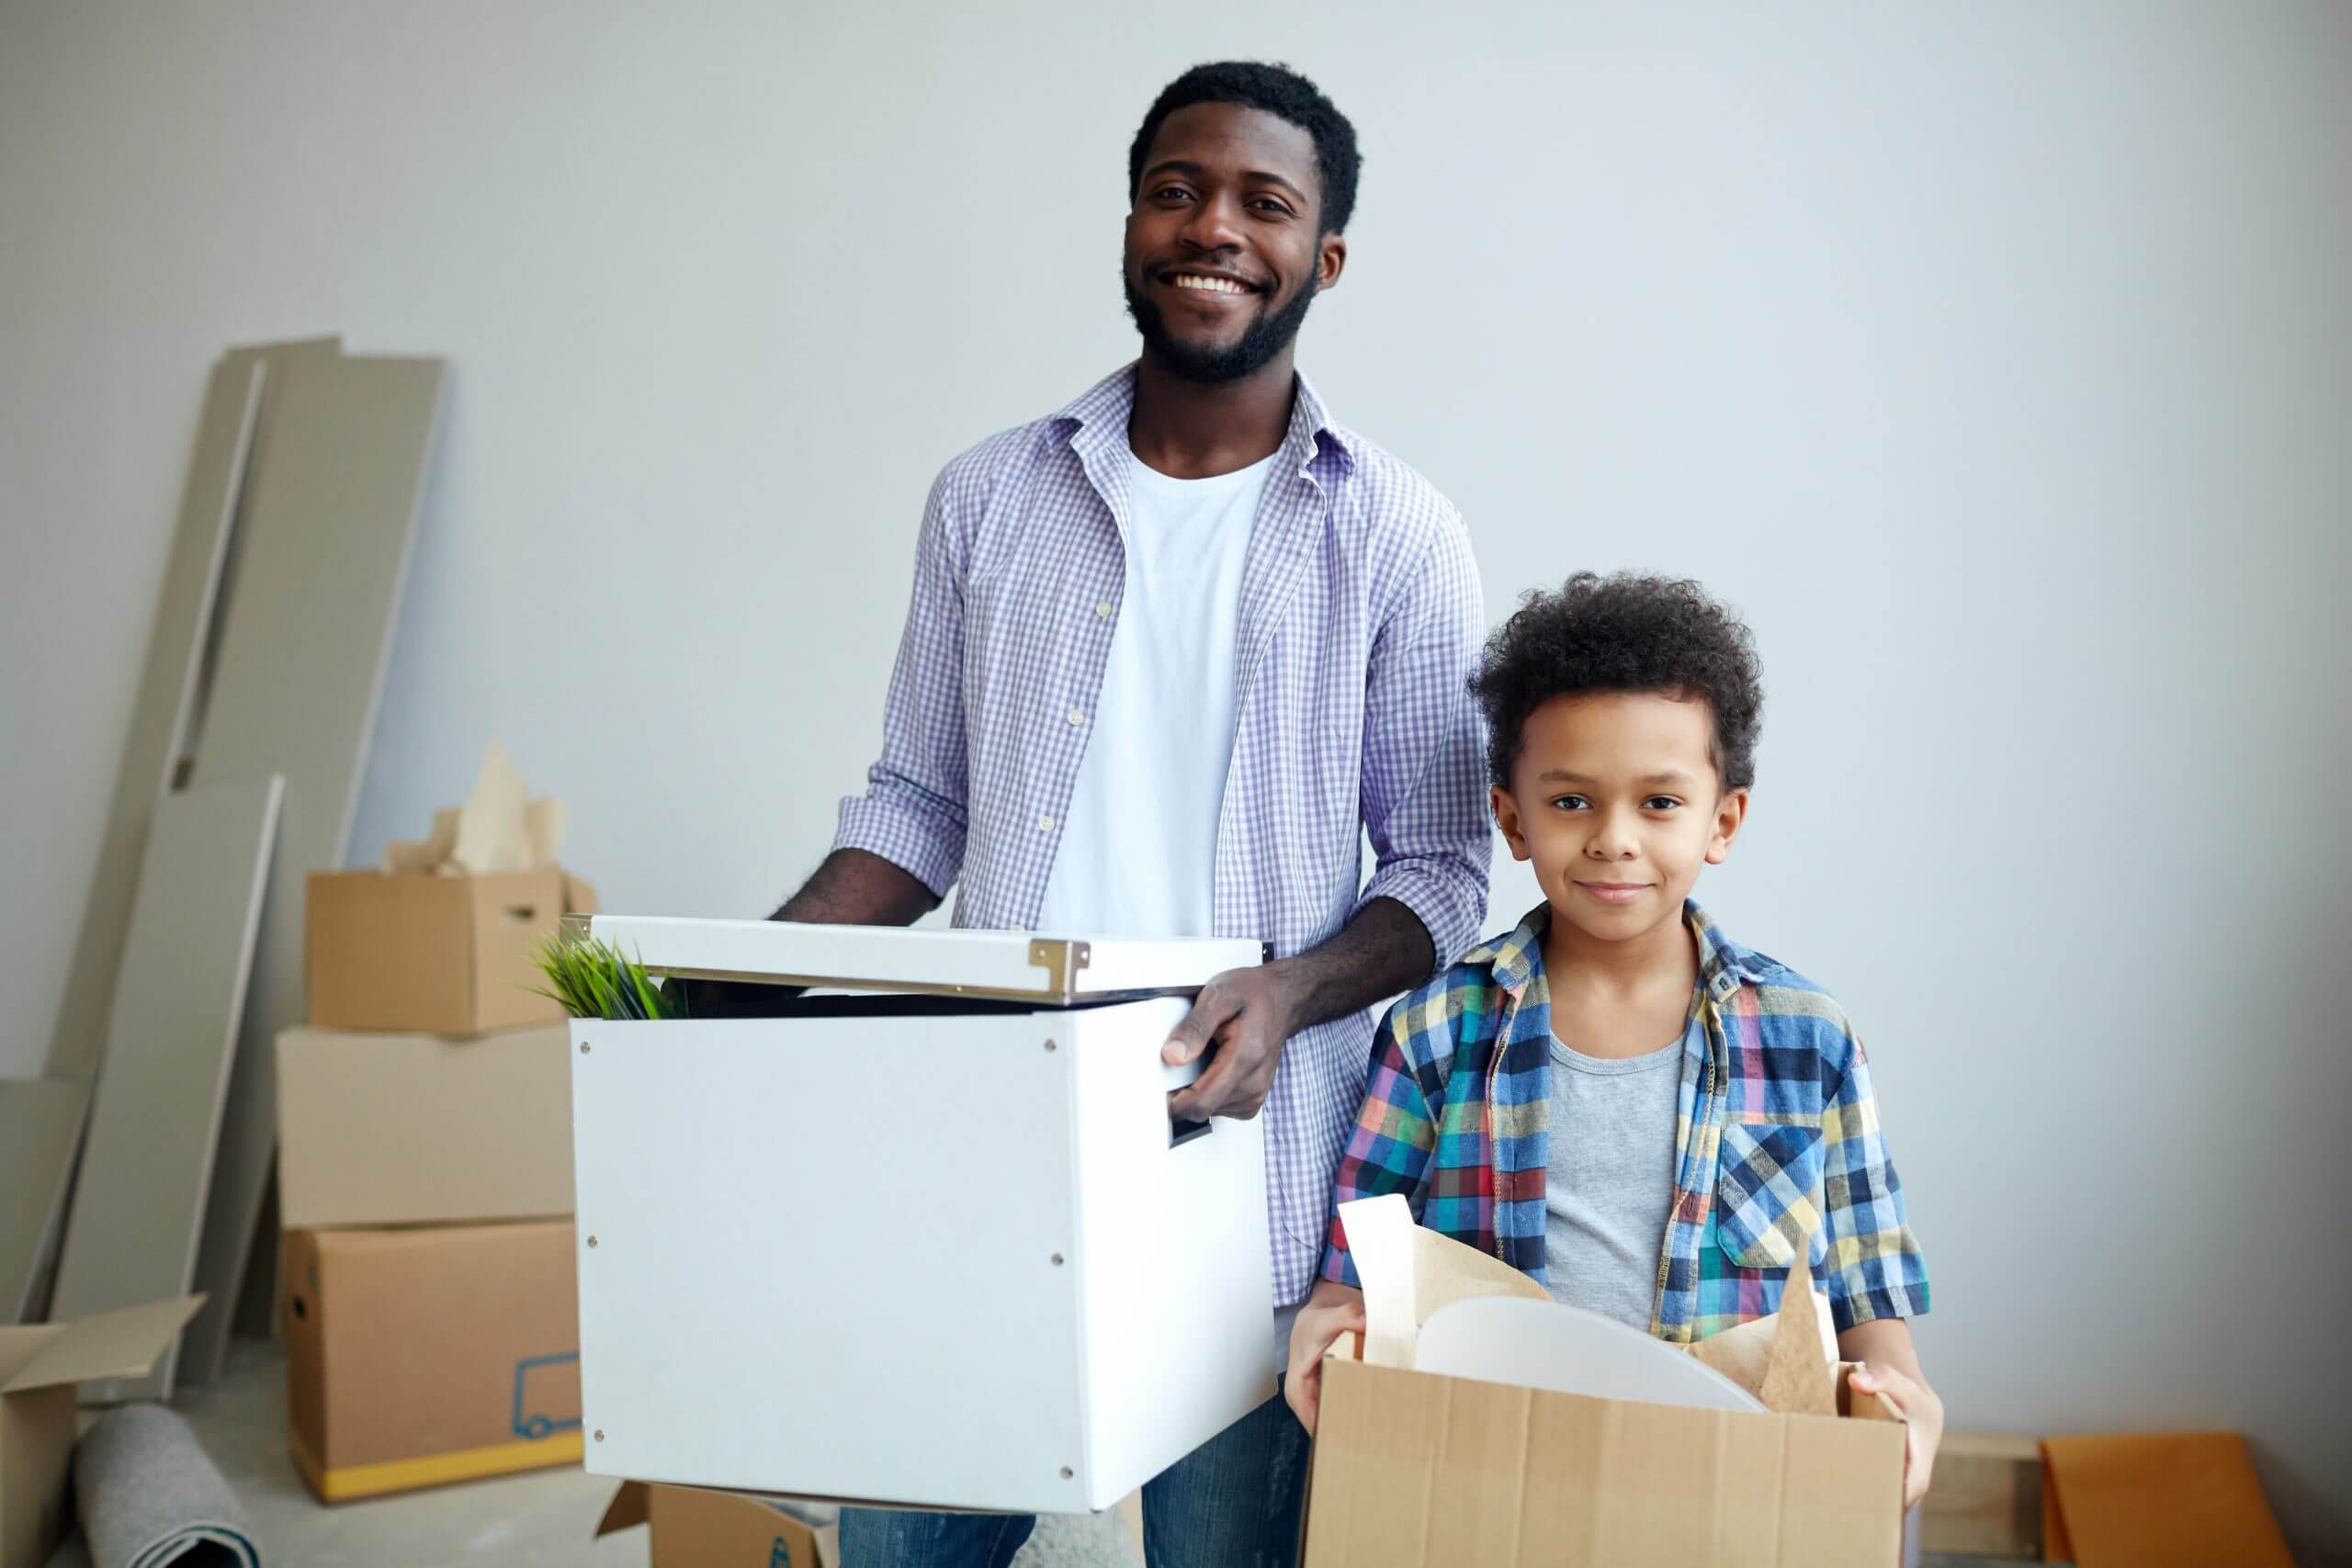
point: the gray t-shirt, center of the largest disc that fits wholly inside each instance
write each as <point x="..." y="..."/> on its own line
<point x="1609" y="1181"/>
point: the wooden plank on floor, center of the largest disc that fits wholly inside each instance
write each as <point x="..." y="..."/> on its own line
<point x="138" y="1204"/>
<point x="327" y="522"/>
<point x="1987" y="1499"/>
<point x="40" y="1128"/>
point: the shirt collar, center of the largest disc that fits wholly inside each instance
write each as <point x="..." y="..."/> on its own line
<point x="1095" y="423"/>
<point x="1723" y="965"/>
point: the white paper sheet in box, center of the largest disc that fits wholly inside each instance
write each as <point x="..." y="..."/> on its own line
<point x="937" y="1250"/>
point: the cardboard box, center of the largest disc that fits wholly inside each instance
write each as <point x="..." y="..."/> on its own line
<point x="693" y="1529"/>
<point x="439" y="954"/>
<point x="1412" y="1470"/>
<point x="418" y="1129"/>
<point x="1040" y="1291"/>
<point x="415" y="1358"/>
<point x="40" y="1365"/>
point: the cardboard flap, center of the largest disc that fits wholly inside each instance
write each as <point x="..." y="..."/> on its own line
<point x="122" y="1343"/>
<point x="19" y="1344"/>
<point x="1409" y="1272"/>
<point x="625" y="1511"/>
<point x="579" y="899"/>
<point x="2160" y="1499"/>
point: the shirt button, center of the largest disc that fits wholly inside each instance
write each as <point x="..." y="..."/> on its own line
<point x="1076" y="715"/>
<point x="1045" y="824"/>
<point x="1102" y="609"/>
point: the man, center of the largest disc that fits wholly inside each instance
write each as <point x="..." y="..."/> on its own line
<point x="1171" y="653"/>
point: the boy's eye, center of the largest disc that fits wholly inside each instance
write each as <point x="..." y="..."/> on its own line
<point x="1570" y="801"/>
<point x="1661" y="802"/>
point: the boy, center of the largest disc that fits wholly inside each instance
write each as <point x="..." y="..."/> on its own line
<point x="1615" y="1098"/>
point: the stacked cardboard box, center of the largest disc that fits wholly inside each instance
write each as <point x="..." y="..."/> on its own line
<point x="430" y="1291"/>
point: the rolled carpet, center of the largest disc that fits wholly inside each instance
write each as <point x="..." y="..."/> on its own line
<point x="150" y="1496"/>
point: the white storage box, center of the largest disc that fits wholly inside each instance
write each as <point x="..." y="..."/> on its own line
<point x="942" y="1250"/>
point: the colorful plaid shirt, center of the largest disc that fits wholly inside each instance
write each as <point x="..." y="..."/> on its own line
<point x="1359" y="624"/>
<point x="1776" y="1136"/>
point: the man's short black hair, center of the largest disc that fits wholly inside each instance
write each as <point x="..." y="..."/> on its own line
<point x="1623" y="633"/>
<point x="1280" y="92"/>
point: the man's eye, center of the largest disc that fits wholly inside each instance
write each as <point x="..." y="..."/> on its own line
<point x="1270" y="204"/>
<point x="1171" y="193"/>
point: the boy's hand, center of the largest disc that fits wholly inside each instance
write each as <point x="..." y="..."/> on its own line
<point x="1332" y="1310"/>
<point x="1923" y="1415"/>
<point x="1247" y="1014"/>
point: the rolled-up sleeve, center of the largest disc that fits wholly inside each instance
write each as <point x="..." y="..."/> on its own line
<point x="1424" y="790"/>
<point x="913" y="811"/>
<point x="1875" y="1267"/>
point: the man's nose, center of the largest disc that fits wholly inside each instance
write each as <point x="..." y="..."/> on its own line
<point x="1215" y="225"/>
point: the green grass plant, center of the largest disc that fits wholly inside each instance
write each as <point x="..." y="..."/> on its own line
<point x="592" y="978"/>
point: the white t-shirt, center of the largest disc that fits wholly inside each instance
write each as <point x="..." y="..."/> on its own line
<point x="1138" y="855"/>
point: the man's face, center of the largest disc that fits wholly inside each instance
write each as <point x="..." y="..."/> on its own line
<point x="1224" y="249"/>
<point x="1616" y="801"/>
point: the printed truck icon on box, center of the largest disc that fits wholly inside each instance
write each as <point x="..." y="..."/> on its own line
<point x="547" y="1395"/>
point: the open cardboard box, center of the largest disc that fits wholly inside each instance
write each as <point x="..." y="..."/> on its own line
<point x="1412" y="1470"/>
<point x="40" y="1365"/>
<point x="435" y="954"/>
<point x="440" y="940"/>
<point x="694" y="1529"/>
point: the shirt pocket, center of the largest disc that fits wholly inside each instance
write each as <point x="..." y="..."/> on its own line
<point x="1768" y="1193"/>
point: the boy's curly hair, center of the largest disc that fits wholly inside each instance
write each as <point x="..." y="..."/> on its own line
<point x="1625" y="632"/>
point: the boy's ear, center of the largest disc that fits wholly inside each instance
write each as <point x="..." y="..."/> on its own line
<point x="1507" y="818"/>
<point x="1731" y="814"/>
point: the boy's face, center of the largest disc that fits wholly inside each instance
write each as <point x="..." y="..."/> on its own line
<point x="1616" y="802"/>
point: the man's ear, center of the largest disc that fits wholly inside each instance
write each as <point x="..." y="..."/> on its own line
<point x="1731" y="816"/>
<point x="1330" y="260"/>
<point x="1507" y="818"/>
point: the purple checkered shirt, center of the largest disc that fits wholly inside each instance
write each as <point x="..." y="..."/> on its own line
<point x="1359" y="624"/>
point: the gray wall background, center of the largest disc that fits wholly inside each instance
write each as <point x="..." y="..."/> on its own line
<point x="1996" y="358"/>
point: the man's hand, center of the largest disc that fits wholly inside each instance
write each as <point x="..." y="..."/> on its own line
<point x="1247" y="1014"/>
<point x="1923" y="1416"/>
<point x="1331" y="1311"/>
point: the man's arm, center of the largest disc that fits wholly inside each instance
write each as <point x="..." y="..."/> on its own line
<point x="1248" y="1013"/>
<point x="856" y="887"/>
<point x="1424" y="808"/>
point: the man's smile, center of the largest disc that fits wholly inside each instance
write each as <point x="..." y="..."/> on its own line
<point x="1199" y="286"/>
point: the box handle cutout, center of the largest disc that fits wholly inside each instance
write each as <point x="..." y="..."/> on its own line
<point x="1181" y="1132"/>
<point x="521" y="914"/>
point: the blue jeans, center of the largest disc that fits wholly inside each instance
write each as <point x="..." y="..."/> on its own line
<point x="1231" y="1503"/>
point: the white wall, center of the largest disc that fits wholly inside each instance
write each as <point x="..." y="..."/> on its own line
<point x="1997" y="361"/>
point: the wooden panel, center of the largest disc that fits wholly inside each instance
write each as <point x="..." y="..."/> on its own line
<point x="325" y="542"/>
<point x="230" y="430"/>
<point x="41" y="1127"/>
<point x="138" y="1205"/>
<point x="1986" y="1498"/>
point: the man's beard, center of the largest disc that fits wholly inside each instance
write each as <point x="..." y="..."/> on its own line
<point x="1264" y="337"/>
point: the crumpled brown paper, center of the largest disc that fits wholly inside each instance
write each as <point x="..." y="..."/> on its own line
<point x="499" y="827"/>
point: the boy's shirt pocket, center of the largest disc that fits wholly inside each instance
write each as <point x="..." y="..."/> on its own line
<point x="1769" y="1194"/>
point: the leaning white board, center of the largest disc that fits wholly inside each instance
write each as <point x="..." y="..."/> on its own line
<point x="138" y="1208"/>
<point x="908" y="1251"/>
<point x="972" y="962"/>
<point x="323" y="546"/>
